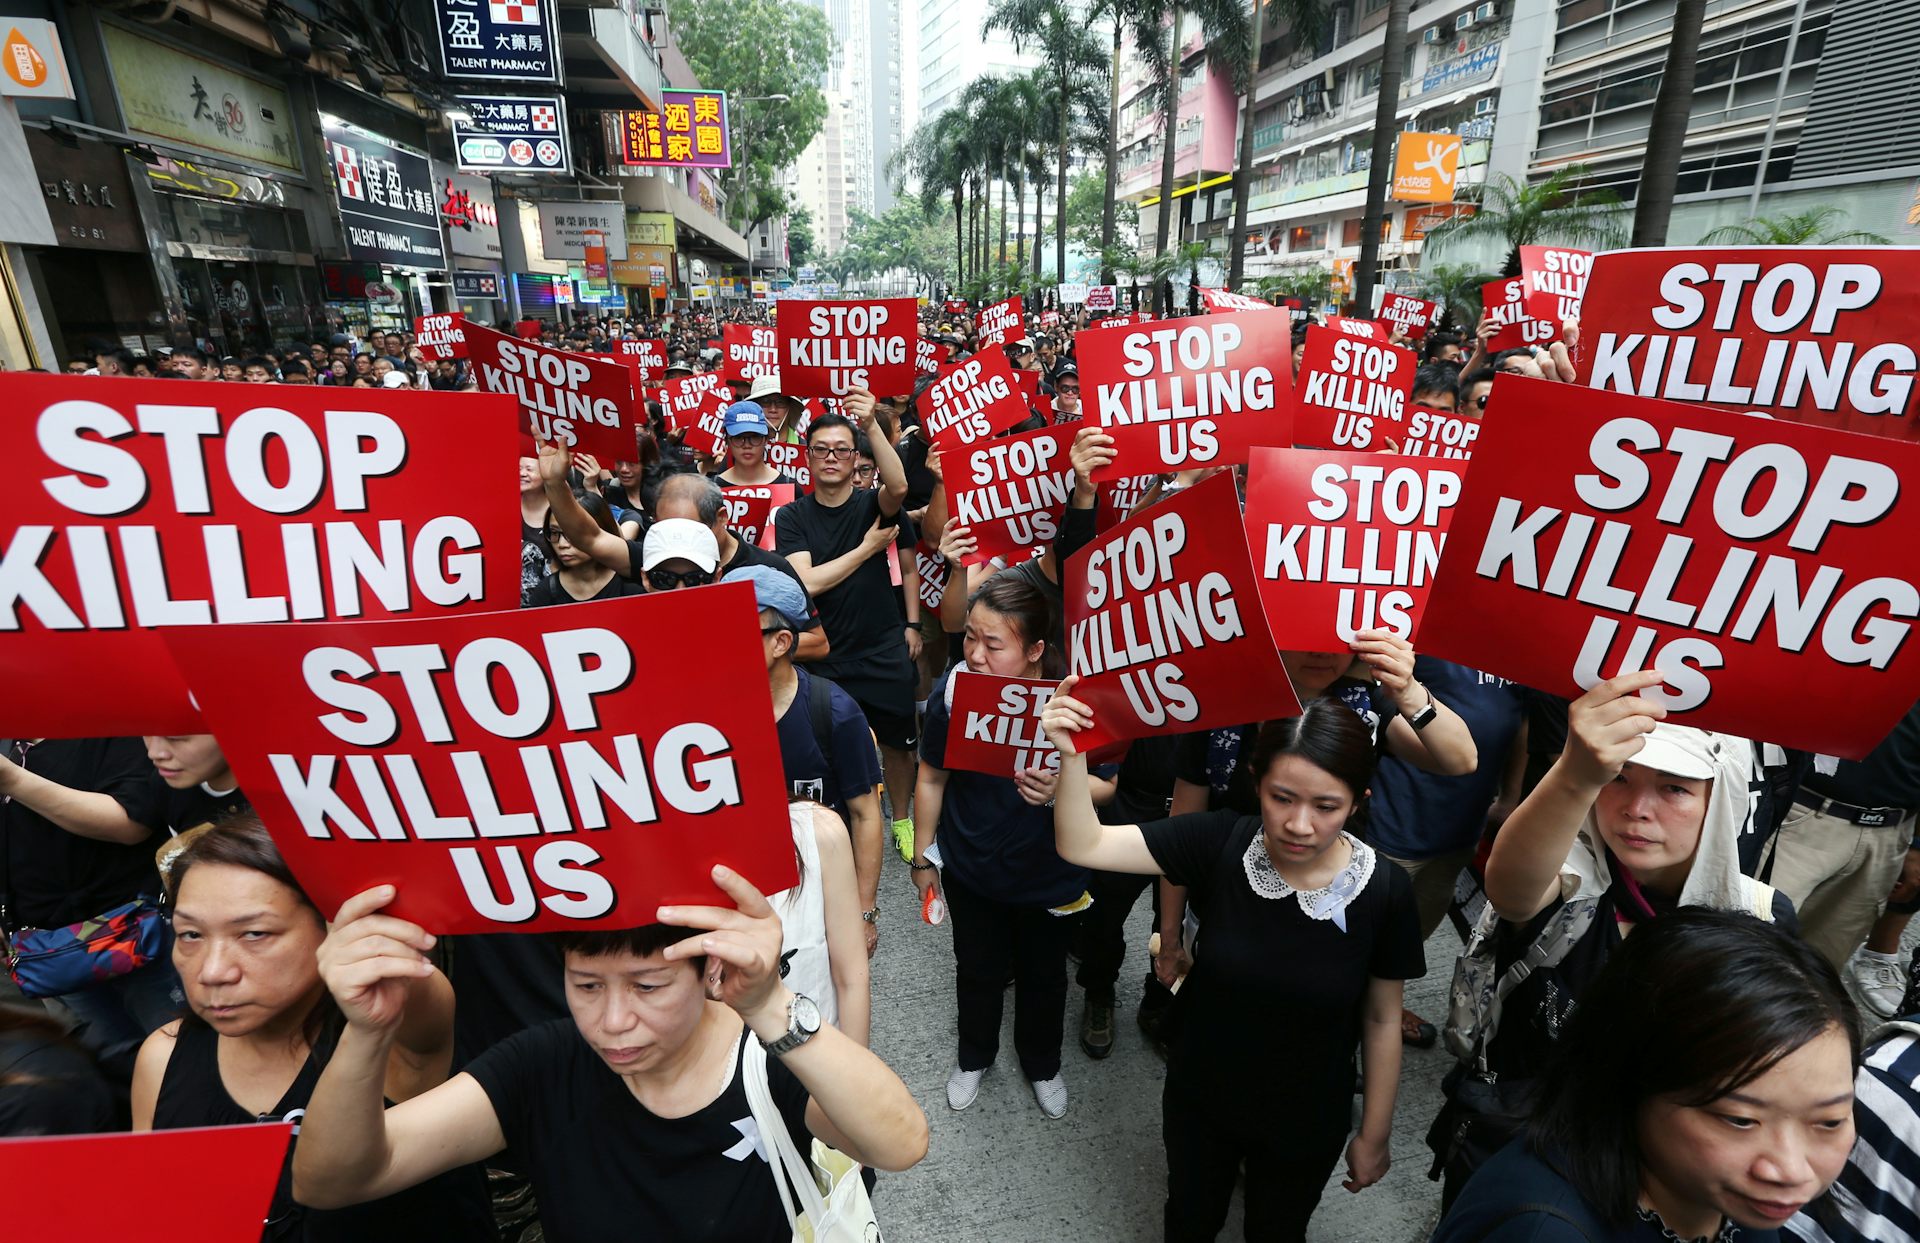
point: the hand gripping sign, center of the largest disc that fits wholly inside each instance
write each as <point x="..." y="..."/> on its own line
<point x="1505" y="303"/>
<point x="1222" y="300"/>
<point x="1820" y="335"/>
<point x="1768" y="570"/>
<point x="829" y="349"/>
<point x="518" y="772"/>
<point x="1162" y="624"/>
<point x="1013" y="492"/>
<point x="973" y="400"/>
<point x="1000" y="323"/>
<point x="585" y="404"/>
<point x="1188" y="393"/>
<point x="1353" y="392"/>
<point x="441" y="337"/>
<point x="1345" y="542"/>
<point x="67" y="1200"/>
<point x="995" y="724"/>
<point x="129" y="506"/>
<point x="751" y="351"/>
<point x="1556" y="280"/>
<point x="1409" y="314"/>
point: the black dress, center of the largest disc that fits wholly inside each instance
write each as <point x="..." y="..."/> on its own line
<point x="452" y="1205"/>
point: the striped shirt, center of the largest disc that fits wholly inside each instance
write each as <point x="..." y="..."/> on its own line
<point x="1877" y="1198"/>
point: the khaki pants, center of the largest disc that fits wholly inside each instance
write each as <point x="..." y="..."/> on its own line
<point x="1838" y="876"/>
<point x="1433" y="881"/>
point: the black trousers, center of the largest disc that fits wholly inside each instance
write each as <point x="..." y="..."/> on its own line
<point x="992" y="940"/>
<point x="1101" y="941"/>
<point x="1288" y="1156"/>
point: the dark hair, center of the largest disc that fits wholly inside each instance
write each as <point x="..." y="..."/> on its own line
<point x="1030" y="611"/>
<point x="596" y="507"/>
<point x="1328" y="735"/>
<point x="642" y="942"/>
<point x="1695" y="1004"/>
<point x="1437" y="341"/>
<point x="1504" y="355"/>
<point x="1434" y="378"/>
<point x="293" y="366"/>
<point x="833" y="420"/>
<point x="1476" y="376"/>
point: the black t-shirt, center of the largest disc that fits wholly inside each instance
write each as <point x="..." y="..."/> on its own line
<point x="506" y="983"/>
<point x="868" y="658"/>
<point x="1144" y="791"/>
<point x="1888" y="777"/>
<point x="551" y="591"/>
<point x="745" y="554"/>
<point x="604" y="1167"/>
<point x="1266" y="971"/>
<point x="49" y="877"/>
<point x="533" y="561"/>
<point x="175" y="811"/>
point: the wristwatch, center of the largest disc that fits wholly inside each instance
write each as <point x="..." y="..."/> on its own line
<point x="803" y="1021"/>
<point x="1424" y="717"/>
<point x="872" y="916"/>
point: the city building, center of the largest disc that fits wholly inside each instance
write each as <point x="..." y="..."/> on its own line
<point x="822" y="179"/>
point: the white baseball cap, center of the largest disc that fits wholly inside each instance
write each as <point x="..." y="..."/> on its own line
<point x="1681" y="751"/>
<point x="681" y="538"/>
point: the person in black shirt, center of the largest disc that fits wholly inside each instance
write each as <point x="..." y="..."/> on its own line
<point x="631" y="1115"/>
<point x="577" y="576"/>
<point x="1307" y="937"/>
<point x="49" y="1085"/>
<point x="534" y="553"/>
<point x="698" y="499"/>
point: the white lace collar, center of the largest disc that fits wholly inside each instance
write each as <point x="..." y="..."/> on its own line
<point x="1328" y="902"/>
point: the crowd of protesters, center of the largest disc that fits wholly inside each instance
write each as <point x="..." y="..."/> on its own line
<point x="1737" y="1069"/>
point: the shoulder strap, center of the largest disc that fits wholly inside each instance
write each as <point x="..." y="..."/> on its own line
<point x="791" y="1172"/>
<point x="1760" y="894"/>
<point x="820" y="716"/>
<point x="1542" y="1210"/>
<point x="1549" y="948"/>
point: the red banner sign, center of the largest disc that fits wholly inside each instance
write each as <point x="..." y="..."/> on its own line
<point x="792" y="459"/>
<point x="955" y="306"/>
<point x="1012" y="491"/>
<point x="513" y="772"/>
<point x="1435" y="433"/>
<point x="583" y="403"/>
<point x="1749" y="560"/>
<point x="1409" y="314"/>
<point x="1162" y="626"/>
<point x="751" y="351"/>
<point x="1821" y="335"/>
<point x="1505" y="303"/>
<point x="994" y="724"/>
<point x="1049" y="319"/>
<point x="973" y="400"/>
<point x="1120" y="497"/>
<point x="1190" y="393"/>
<point x="132" y="505"/>
<point x="1223" y="300"/>
<point x="1121" y="321"/>
<point x="648" y="355"/>
<point x="750" y="510"/>
<point x="1000" y="323"/>
<point x="1102" y="298"/>
<point x="928" y="355"/>
<point x="687" y="397"/>
<point x="1345" y="542"/>
<point x="1365" y="329"/>
<point x="441" y="337"/>
<point x="1352" y="392"/>
<point x="828" y="349"/>
<point x="1556" y="280"/>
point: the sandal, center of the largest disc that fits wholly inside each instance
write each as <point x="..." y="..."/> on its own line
<point x="1416" y="1031"/>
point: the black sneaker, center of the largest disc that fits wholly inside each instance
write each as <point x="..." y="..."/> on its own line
<point x="1096" y="1027"/>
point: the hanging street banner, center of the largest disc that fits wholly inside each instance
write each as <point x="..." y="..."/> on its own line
<point x="385" y="192"/>
<point x="499" y="40"/>
<point x="512" y="134"/>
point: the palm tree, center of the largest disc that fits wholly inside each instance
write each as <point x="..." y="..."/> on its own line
<point x="1667" y="132"/>
<point x="1456" y="287"/>
<point x="1227" y="31"/>
<point x="1523" y="214"/>
<point x="941" y="155"/>
<point x="1805" y="228"/>
<point x="1303" y="18"/>
<point x="1386" y="126"/>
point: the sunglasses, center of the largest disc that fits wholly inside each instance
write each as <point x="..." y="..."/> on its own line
<point x="1480" y="401"/>
<point x="1068" y="390"/>
<point x="668" y="580"/>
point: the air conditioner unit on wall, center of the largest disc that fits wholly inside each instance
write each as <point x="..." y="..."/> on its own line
<point x="1486" y="12"/>
<point x="1463" y="21"/>
<point x="1432" y="34"/>
<point x="1484" y="107"/>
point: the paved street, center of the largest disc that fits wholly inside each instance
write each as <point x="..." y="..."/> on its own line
<point x="1001" y="1171"/>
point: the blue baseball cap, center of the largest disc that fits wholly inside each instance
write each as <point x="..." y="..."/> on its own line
<point x="746" y="418"/>
<point x="777" y="591"/>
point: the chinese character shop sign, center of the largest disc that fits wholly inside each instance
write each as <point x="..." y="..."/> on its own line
<point x="511" y="134"/>
<point x="499" y="40"/>
<point x="387" y="201"/>
<point x="689" y="131"/>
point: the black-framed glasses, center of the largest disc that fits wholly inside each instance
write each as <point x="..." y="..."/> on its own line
<point x="863" y="472"/>
<point x="668" y="580"/>
<point x="833" y="453"/>
<point x="1480" y="401"/>
<point x="555" y="536"/>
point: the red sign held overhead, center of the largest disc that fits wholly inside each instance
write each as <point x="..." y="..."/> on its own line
<point x="1409" y="314"/>
<point x="1162" y="624"/>
<point x="648" y="357"/>
<point x="1102" y="298"/>
<point x="687" y="397"/>
<point x="751" y="351"/>
<point x="1435" y="433"/>
<point x="1556" y="280"/>
<point x="790" y="458"/>
<point x="1820" y="335"/>
<point x="1353" y="393"/>
<point x="1121" y="321"/>
<point x="1012" y="491"/>
<point x="1505" y="303"/>
<point x="1223" y="300"/>
<point x="583" y="403"/>
<point x="973" y="400"/>
<point x="829" y="349"/>
<point x="1365" y="329"/>
<point x="955" y="306"/>
<point x="1744" y="558"/>
<point x="441" y="337"/>
<point x="995" y="724"/>
<point x="1000" y="323"/>
<point x="1120" y="497"/>
<point x="1345" y="542"/>
<point x="509" y="773"/>
<point x="750" y="509"/>
<point x="933" y="575"/>
<point x="928" y="355"/>
<point x="1189" y="393"/>
<point x="127" y="506"/>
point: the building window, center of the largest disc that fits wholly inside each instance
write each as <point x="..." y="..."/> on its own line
<point x="1307" y="237"/>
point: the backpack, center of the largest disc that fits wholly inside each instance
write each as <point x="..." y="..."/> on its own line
<point x="820" y="715"/>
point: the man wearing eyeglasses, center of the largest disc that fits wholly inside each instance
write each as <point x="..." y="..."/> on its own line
<point x="833" y="538"/>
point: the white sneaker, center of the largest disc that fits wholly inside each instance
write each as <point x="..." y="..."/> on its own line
<point x="1876" y="982"/>
<point x="962" y="1087"/>
<point x="1052" y="1095"/>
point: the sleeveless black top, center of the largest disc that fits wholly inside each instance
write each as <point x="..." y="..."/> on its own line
<point x="453" y="1205"/>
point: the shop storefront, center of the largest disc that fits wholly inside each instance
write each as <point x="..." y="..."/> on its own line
<point x="472" y="221"/>
<point x="98" y="271"/>
<point x="390" y="214"/>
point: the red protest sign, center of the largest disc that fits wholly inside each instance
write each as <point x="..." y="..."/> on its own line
<point x="790" y="458"/>
<point x="828" y="349"/>
<point x="1352" y="392"/>
<point x="1119" y="497"/>
<point x="1742" y="557"/>
<point x="1223" y="300"/>
<point x="1102" y="298"/>
<point x="928" y="355"/>
<point x="1505" y="303"/>
<point x="441" y="337"/>
<point x="1556" y="280"/>
<point x="1049" y="319"/>
<point x="1820" y="335"/>
<point x="1192" y="393"/>
<point x="994" y="724"/>
<point x="933" y="575"/>
<point x="1365" y="329"/>
<point x="583" y="403"/>
<point x="1012" y="491"/>
<point x="1345" y="542"/>
<point x="955" y="306"/>
<point x="1121" y="321"/>
<point x="751" y="351"/>
<point x="512" y="772"/>
<point x="127" y="506"/>
<point x="1000" y="323"/>
<point x="1409" y="314"/>
<point x="750" y="510"/>
<point x="973" y="400"/>
<point x="685" y="397"/>
<point x="1435" y="433"/>
<point x="67" y="1200"/>
<point x="708" y="432"/>
<point x="647" y="355"/>
<point x="1162" y="624"/>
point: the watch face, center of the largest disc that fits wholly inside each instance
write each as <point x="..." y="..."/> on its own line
<point x="806" y="1015"/>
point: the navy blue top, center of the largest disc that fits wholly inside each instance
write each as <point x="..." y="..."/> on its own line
<point x="1416" y="814"/>
<point x="855" y="769"/>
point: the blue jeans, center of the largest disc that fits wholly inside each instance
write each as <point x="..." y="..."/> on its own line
<point x="116" y="1015"/>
